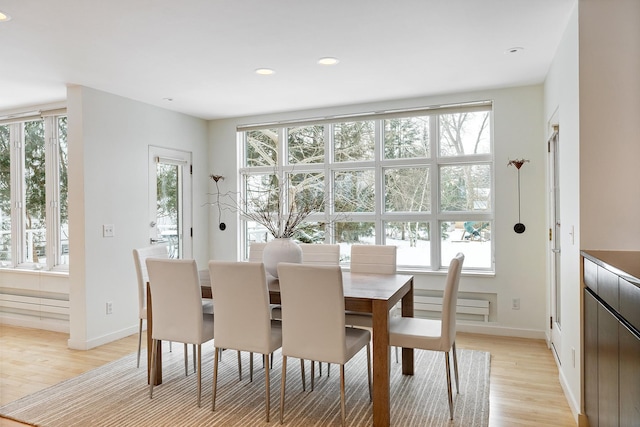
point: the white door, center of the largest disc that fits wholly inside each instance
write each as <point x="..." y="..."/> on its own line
<point x="170" y="200"/>
<point x="554" y="242"/>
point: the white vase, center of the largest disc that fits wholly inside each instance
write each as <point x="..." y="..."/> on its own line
<point x="280" y="250"/>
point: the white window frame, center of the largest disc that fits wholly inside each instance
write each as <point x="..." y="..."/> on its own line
<point x="19" y="258"/>
<point x="379" y="164"/>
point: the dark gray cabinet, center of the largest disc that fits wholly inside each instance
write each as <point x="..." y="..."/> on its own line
<point x="611" y="309"/>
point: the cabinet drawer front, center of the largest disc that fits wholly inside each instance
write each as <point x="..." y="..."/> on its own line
<point x="590" y="275"/>
<point x="608" y="288"/>
<point x="630" y="303"/>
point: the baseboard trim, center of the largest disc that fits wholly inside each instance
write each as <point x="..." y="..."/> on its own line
<point x="104" y="339"/>
<point x="489" y="329"/>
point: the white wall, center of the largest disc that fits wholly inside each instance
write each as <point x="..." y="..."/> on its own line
<point x="609" y="124"/>
<point x="520" y="258"/>
<point x="593" y="91"/>
<point x="561" y="107"/>
<point x="109" y="138"/>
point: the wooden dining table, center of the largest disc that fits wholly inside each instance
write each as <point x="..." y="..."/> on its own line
<point x="365" y="293"/>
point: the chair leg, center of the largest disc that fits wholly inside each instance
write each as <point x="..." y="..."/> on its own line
<point x="448" y="368"/>
<point x="239" y="367"/>
<point x="282" y="386"/>
<point x="194" y="358"/>
<point x="304" y="378"/>
<point x="455" y="367"/>
<point x="369" y="371"/>
<point x="267" y="386"/>
<point x="313" y="373"/>
<point x="343" y="409"/>
<point x="251" y="367"/>
<point x="396" y="354"/>
<point x="199" y="373"/>
<point x="139" y="342"/>
<point x="186" y="359"/>
<point x="216" y="357"/>
<point x="154" y="346"/>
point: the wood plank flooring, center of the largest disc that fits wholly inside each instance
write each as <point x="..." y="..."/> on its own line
<point x="525" y="390"/>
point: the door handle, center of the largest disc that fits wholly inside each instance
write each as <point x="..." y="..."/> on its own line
<point x="555" y="251"/>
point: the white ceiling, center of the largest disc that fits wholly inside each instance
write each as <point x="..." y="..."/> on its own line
<point x="203" y="53"/>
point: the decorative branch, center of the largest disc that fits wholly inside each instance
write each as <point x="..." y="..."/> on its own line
<point x="267" y="207"/>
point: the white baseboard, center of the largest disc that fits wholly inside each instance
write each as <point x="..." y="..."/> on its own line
<point x="53" y="325"/>
<point x="492" y="329"/>
<point x="105" y="339"/>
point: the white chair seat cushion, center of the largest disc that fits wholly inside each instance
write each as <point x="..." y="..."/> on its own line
<point x="276" y="312"/>
<point x="276" y="335"/>
<point x="207" y="306"/>
<point x="356" y="339"/>
<point x="352" y="318"/>
<point x="207" y="327"/>
<point x="412" y="332"/>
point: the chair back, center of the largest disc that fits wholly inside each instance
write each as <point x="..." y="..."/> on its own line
<point x="312" y="299"/>
<point x="320" y="254"/>
<point x="140" y="256"/>
<point x="176" y="300"/>
<point x="255" y="251"/>
<point x="378" y="259"/>
<point x="242" y="316"/>
<point x="450" y="300"/>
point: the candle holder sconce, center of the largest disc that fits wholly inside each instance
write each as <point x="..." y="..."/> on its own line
<point x="221" y="225"/>
<point x="519" y="227"/>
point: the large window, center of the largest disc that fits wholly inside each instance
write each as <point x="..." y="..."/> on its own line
<point x="420" y="180"/>
<point x="33" y="193"/>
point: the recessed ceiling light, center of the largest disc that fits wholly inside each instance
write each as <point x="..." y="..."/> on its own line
<point x="4" y="17"/>
<point x="264" y="71"/>
<point x="167" y="99"/>
<point x="328" y="61"/>
<point x="514" y="50"/>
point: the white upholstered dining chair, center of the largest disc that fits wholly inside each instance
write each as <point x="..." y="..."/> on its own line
<point x="178" y="314"/>
<point x="139" y="258"/>
<point x="313" y="325"/>
<point x="255" y="251"/>
<point x="243" y="321"/>
<point x="314" y="254"/>
<point x="434" y="335"/>
<point x="373" y="259"/>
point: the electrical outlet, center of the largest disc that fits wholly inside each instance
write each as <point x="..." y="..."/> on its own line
<point x="515" y="304"/>
<point x="109" y="307"/>
<point x="108" y="230"/>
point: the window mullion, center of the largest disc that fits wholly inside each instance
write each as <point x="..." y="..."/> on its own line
<point x="17" y="160"/>
<point x="52" y="177"/>
<point x="434" y="173"/>
<point x="379" y="180"/>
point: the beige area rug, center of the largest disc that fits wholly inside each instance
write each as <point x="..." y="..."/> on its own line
<point x="117" y="395"/>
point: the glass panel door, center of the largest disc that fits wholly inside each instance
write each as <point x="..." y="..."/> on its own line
<point x="554" y="240"/>
<point x="170" y="200"/>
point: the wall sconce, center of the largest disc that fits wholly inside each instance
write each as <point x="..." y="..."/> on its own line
<point x="221" y="225"/>
<point x="519" y="227"/>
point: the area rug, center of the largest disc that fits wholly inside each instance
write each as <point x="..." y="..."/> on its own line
<point x="117" y="394"/>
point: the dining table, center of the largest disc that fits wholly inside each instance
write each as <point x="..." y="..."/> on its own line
<point x="366" y="293"/>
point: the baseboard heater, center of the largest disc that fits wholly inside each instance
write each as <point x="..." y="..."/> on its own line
<point x="464" y="306"/>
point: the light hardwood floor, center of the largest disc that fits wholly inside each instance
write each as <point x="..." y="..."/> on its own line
<point x="525" y="390"/>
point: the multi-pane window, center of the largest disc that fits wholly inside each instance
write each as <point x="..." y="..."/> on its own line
<point x="421" y="180"/>
<point x="33" y="193"/>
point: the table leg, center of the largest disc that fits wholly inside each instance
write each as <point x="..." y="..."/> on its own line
<point x="150" y="345"/>
<point x="407" y="353"/>
<point x="381" y="395"/>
